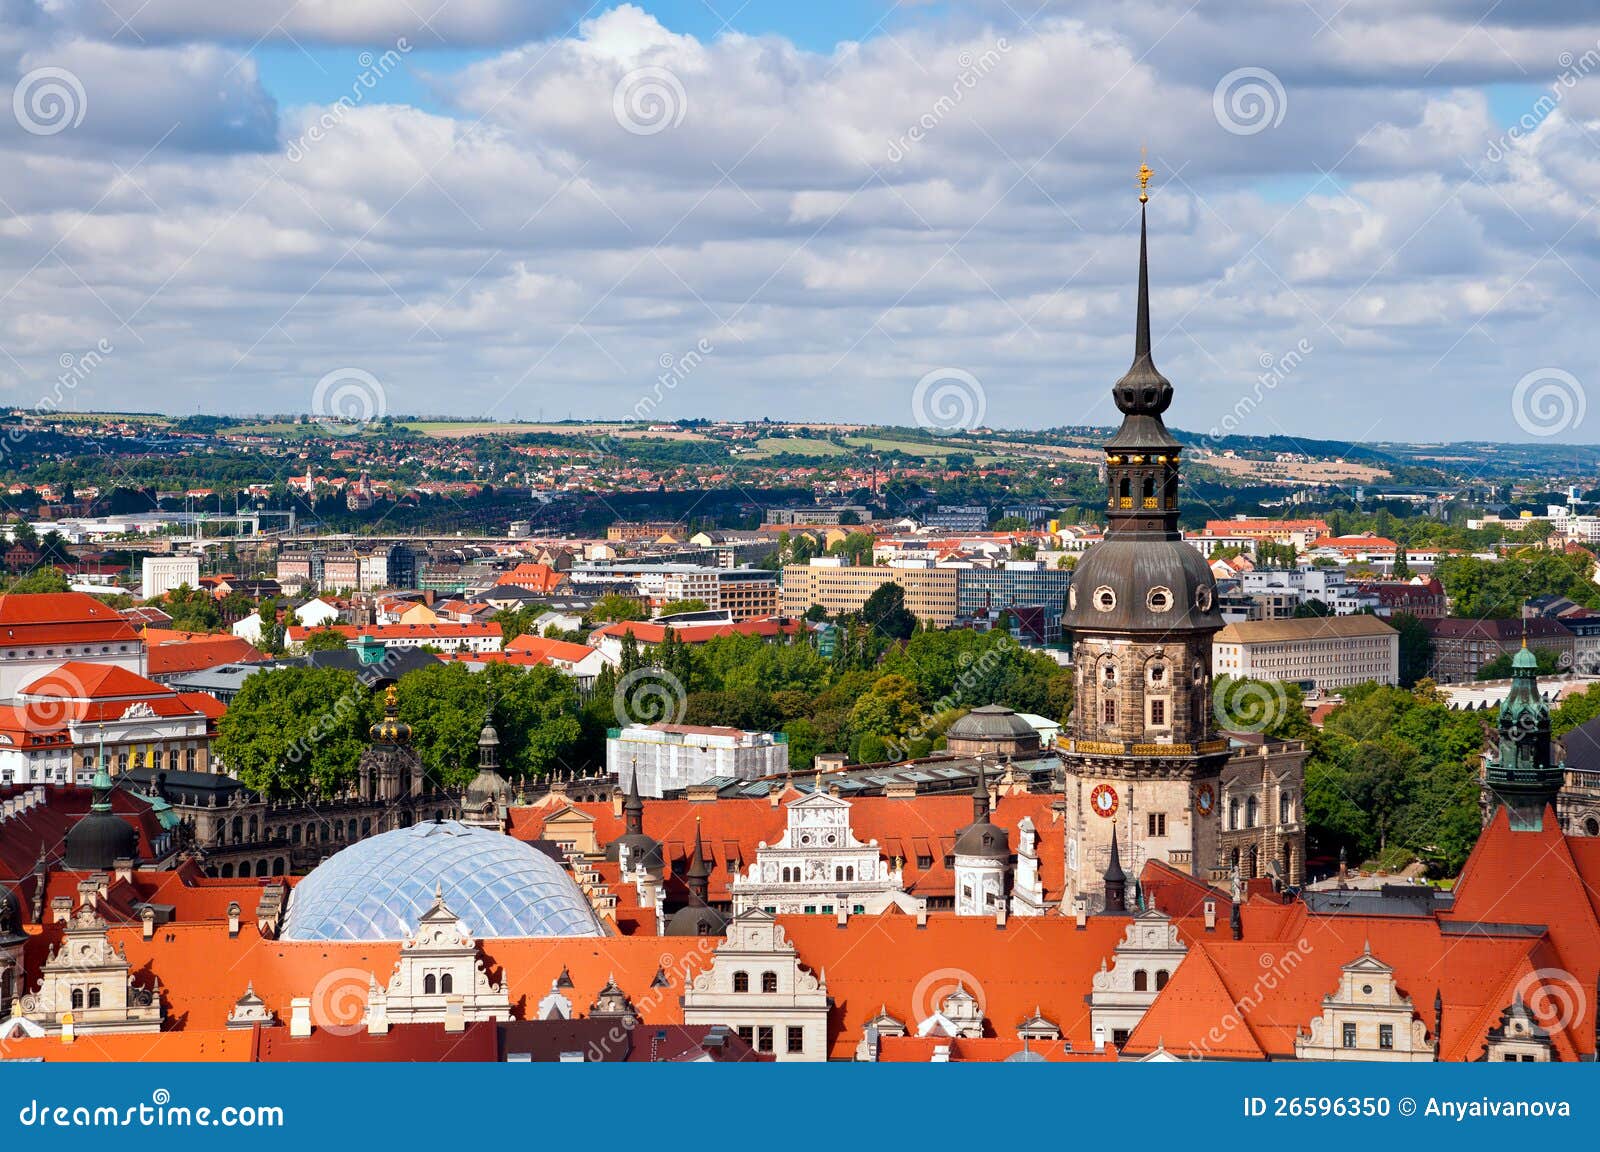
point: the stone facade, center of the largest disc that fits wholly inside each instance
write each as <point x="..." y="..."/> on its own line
<point x="757" y="986"/>
<point x="439" y="978"/>
<point x="1262" y="814"/>
<point x="1366" y="1018"/>
<point x="818" y="866"/>
<point x="1141" y="965"/>
<point x="87" y="986"/>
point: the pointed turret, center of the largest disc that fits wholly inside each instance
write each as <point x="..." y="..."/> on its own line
<point x="1116" y="881"/>
<point x="697" y="917"/>
<point x="634" y="847"/>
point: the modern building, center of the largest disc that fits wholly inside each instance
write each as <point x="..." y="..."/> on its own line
<point x="828" y="514"/>
<point x="1313" y="652"/>
<point x="668" y="758"/>
<point x="1327" y="586"/>
<point x="957" y="518"/>
<point x="932" y="594"/>
<point x="161" y="574"/>
<point x="1462" y="647"/>
<point x="747" y="593"/>
<point x="1014" y="584"/>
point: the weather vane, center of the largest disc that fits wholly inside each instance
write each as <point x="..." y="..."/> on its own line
<point x="1144" y="177"/>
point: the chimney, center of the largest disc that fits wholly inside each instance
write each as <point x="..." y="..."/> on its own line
<point x="300" y="1017"/>
<point x="1236" y="922"/>
<point x="1000" y="915"/>
<point x="844" y="916"/>
<point x="1080" y="913"/>
<point x="123" y="868"/>
<point x="1211" y="915"/>
<point x="233" y="919"/>
<point x="922" y="915"/>
<point x="1099" y="1037"/>
<point x="455" y="1018"/>
<point x="60" y="908"/>
<point x="147" y="922"/>
<point x="616" y="804"/>
<point x="700" y="793"/>
<point x="774" y="794"/>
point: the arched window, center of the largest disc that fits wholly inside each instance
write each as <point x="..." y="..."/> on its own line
<point x="244" y="867"/>
<point x="1162" y="976"/>
<point x="446" y="983"/>
<point x="238" y="829"/>
<point x="838" y="874"/>
<point x="741" y="981"/>
<point x="1233" y="816"/>
<point x="1126" y="490"/>
<point x="77" y="999"/>
<point x="769" y="981"/>
<point x="429" y="985"/>
<point x="850" y="872"/>
<point x="1252" y="812"/>
<point x="1283" y="808"/>
<point x="366" y="826"/>
<point x="294" y="834"/>
<point x="277" y="866"/>
<point x="227" y="871"/>
<point x="353" y="834"/>
<point x="1255" y="857"/>
<point x="94" y="997"/>
<point x="255" y="828"/>
<point x="1141" y="981"/>
<point x="1149" y="487"/>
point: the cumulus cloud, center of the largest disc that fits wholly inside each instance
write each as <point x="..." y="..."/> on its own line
<point x="955" y="192"/>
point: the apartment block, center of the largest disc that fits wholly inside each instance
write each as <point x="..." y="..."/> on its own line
<point x="932" y="594"/>
<point x="1315" y="652"/>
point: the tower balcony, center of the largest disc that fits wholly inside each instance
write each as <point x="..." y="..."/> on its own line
<point x="1128" y="748"/>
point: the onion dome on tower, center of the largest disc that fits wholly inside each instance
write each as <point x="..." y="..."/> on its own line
<point x="1519" y="773"/>
<point x="391" y="729"/>
<point x="100" y="838"/>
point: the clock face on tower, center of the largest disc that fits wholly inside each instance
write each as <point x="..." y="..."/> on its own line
<point x="1104" y="800"/>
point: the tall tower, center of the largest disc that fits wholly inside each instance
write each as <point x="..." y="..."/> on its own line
<point x="1142" y="758"/>
<point x="1519" y="773"/>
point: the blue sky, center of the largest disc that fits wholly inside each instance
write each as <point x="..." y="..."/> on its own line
<point x="544" y="204"/>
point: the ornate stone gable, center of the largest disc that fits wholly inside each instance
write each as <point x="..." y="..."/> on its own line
<point x="818" y="866"/>
<point x="87" y="986"/>
<point x="757" y="986"/>
<point x="439" y="978"/>
<point x="1141" y="965"/>
<point x="1367" y="1017"/>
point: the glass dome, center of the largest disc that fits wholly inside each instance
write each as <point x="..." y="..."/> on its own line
<point x="377" y="889"/>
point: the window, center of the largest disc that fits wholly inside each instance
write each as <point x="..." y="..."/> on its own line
<point x="1251" y="812"/>
<point x="1158" y="673"/>
<point x="77" y="999"/>
<point x="796" y="1039"/>
<point x="1385" y="1035"/>
<point x="429" y="985"/>
<point x="764" y="1038"/>
<point x="1158" y="713"/>
<point x="1349" y="1035"/>
<point x="1119" y="1037"/>
<point x="1141" y="981"/>
<point x="1156" y="823"/>
<point x="1110" y="711"/>
<point x="924" y="861"/>
<point x="741" y="981"/>
<point x="446" y="984"/>
<point x="748" y="1035"/>
<point x="769" y="981"/>
<point x="1161" y="979"/>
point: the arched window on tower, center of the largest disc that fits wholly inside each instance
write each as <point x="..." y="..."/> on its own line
<point x="94" y="997"/>
<point x="741" y="981"/>
<point x="1149" y="490"/>
<point x="1162" y="976"/>
<point x="77" y="999"/>
<point x="769" y="981"/>
<point x="1125" y="490"/>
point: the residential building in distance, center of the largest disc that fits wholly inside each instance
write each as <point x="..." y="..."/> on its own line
<point x="1462" y="647"/>
<point x="443" y="636"/>
<point x="1298" y="585"/>
<point x="1014" y="584"/>
<point x="663" y="758"/>
<point x="747" y="593"/>
<point x="1314" y="652"/>
<point x="932" y="594"/>
<point x="159" y="575"/>
<point x="609" y="637"/>
<point x="827" y="514"/>
<point x="958" y="517"/>
<point x="1299" y="533"/>
<point x="1423" y="599"/>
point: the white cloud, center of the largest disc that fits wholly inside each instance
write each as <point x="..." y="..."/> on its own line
<point x="526" y="251"/>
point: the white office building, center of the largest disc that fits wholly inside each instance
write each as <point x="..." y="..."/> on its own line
<point x="672" y="757"/>
<point x="161" y="574"/>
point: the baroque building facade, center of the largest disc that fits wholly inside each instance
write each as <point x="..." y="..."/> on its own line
<point x="1142" y="755"/>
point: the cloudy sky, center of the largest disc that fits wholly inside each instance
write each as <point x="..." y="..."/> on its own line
<point x="1369" y="219"/>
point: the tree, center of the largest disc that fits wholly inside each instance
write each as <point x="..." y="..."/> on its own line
<point x="886" y="612"/>
<point x="1310" y="607"/>
<point x="677" y="606"/>
<point x="1402" y="570"/>
<point x="191" y="609"/>
<point x="41" y="580"/>
<point x="323" y="640"/>
<point x="1416" y="648"/>
<point x="1010" y="524"/>
<point x="1500" y="667"/>
<point x="612" y="608"/>
<point x="292" y="730"/>
<point x="534" y="714"/>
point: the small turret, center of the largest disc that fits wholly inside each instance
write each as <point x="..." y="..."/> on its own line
<point x="1116" y="881"/>
<point x="1519" y="773"/>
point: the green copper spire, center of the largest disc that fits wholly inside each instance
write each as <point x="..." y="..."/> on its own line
<point x="1520" y="773"/>
<point x="102" y="781"/>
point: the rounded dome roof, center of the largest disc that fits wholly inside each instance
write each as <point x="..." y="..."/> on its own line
<point x="990" y="722"/>
<point x="98" y="840"/>
<point x="1154" y="585"/>
<point x="378" y="888"/>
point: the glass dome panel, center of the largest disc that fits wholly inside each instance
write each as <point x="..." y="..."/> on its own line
<point x="378" y="888"/>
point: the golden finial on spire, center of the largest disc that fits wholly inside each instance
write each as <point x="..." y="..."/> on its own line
<point x="1144" y="177"/>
